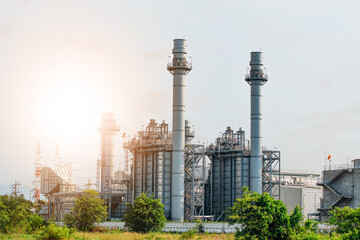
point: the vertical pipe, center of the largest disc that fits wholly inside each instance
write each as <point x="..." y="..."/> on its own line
<point x="203" y="181"/>
<point x="192" y="185"/>
<point x="256" y="79"/>
<point x="178" y="68"/>
<point x="126" y="160"/>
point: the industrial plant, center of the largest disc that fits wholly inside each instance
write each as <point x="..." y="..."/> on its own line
<point x="192" y="180"/>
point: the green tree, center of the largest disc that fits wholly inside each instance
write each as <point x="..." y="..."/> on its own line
<point x="262" y="217"/>
<point x="88" y="210"/>
<point x="346" y="221"/>
<point x="15" y="215"/>
<point x="145" y="215"/>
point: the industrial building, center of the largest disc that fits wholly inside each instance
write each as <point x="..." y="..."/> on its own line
<point x="341" y="187"/>
<point x="230" y="171"/>
<point x="167" y="165"/>
<point x="59" y="189"/>
<point x="193" y="181"/>
<point x="300" y="188"/>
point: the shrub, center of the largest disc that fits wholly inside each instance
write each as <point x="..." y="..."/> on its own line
<point x="262" y="217"/>
<point x="199" y="226"/>
<point x="53" y="232"/>
<point x="88" y="210"/>
<point x="35" y="223"/>
<point x="15" y="215"/>
<point x="345" y="219"/>
<point x="145" y="215"/>
<point x="188" y="235"/>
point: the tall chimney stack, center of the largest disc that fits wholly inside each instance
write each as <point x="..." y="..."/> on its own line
<point x="179" y="67"/>
<point x="109" y="128"/>
<point x="256" y="78"/>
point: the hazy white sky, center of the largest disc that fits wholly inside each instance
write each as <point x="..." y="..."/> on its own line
<point x="63" y="63"/>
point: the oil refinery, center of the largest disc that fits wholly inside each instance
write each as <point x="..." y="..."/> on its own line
<point x="192" y="180"/>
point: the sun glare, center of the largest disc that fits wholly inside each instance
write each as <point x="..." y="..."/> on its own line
<point x="72" y="108"/>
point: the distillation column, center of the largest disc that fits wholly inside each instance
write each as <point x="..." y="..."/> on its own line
<point x="256" y="79"/>
<point x="179" y="67"/>
<point x="108" y="130"/>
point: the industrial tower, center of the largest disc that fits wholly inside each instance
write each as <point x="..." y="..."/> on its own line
<point x="256" y="78"/>
<point x="179" y="67"/>
<point x="57" y="158"/>
<point x="37" y="177"/>
<point x="109" y="128"/>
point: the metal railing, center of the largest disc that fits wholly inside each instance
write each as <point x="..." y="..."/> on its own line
<point x="180" y="65"/>
<point x="338" y="167"/>
<point x="260" y="75"/>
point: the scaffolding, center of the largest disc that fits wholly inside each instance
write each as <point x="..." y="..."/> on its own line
<point x="59" y="204"/>
<point x="194" y="182"/>
<point x="37" y="176"/>
<point x="117" y="195"/>
<point x="271" y="180"/>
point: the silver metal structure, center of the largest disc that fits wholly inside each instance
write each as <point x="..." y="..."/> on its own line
<point x="256" y="79"/>
<point x="179" y="67"/>
<point x="230" y="172"/>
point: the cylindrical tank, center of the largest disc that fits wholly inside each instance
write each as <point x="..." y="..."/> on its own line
<point x="178" y="68"/>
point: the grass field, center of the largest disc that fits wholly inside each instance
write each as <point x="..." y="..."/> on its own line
<point x="128" y="236"/>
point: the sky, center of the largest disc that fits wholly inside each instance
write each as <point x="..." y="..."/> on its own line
<point x="64" y="63"/>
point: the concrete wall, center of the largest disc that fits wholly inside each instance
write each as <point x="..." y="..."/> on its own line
<point x="183" y="227"/>
<point x="341" y="182"/>
<point x="306" y="197"/>
<point x="311" y="200"/>
<point x="356" y="199"/>
<point x="208" y="227"/>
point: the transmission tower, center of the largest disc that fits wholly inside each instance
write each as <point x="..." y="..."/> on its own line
<point x="37" y="177"/>
<point x="58" y="160"/>
<point x="15" y="188"/>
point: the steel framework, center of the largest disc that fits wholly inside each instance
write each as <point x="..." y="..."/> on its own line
<point x="271" y="173"/>
<point x="151" y="168"/>
<point x="59" y="204"/>
<point x="194" y="183"/>
<point x="230" y="171"/>
<point x="37" y="176"/>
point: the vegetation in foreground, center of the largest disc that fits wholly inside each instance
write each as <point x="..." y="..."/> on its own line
<point x="16" y="215"/>
<point x="145" y="215"/>
<point x="264" y="218"/>
<point x="88" y="210"/>
<point x="261" y="216"/>
<point x="130" y="235"/>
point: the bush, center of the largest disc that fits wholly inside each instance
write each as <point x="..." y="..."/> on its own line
<point x="15" y="215"/>
<point x="145" y="215"/>
<point x="88" y="210"/>
<point x="35" y="223"/>
<point x="345" y="219"/>
<point x="262" y="217"/>
<point x="53" y="232"/>
<point x="199" y="226"/>
<point x="188" y="235"/>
